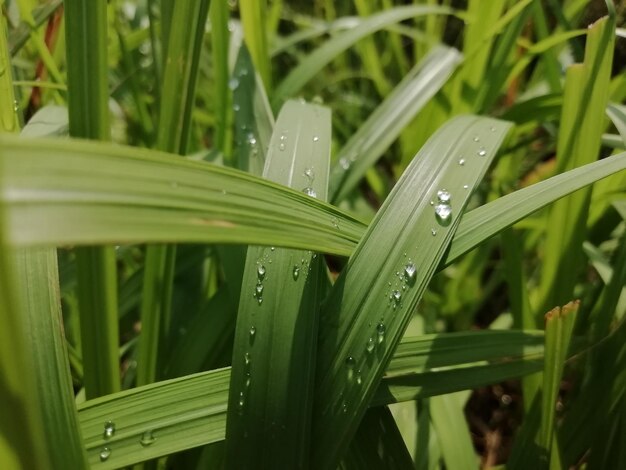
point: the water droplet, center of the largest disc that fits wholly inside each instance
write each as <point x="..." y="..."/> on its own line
<point x="461" y="161"/>
<point x="243" y="72"/>
<point x="432" y="203"/>
<point x="444" y="196"/>
<point x="233" y="83"/>
<point x="259" y="300"/>
<point x="242" y="401"/>
<point x="344" y="163"/>
<point x="246" y="360"/>
<point x="433" y="232"/>
<point x="260" y="271"/>
<point x="396" y="295"/>
<point x="316" y="138"/>
<point x="309" y="173"/>
<point x="371" y="344"/>
<point x="281" y="147"/>
<point x="272" y="248"/>
<point x="258" y="290"/>
<point x="492" y="129"/>
<point x="105" y="453"/>
<point x="465" y="186"/>
<point x="409" y="273"/>
<point x="359" y="380"/>
<point x="251" y="139"/>
<point x="350" y="363"/>
<point x="147" y="438"/>
<point x="296" y="272"/>
<point x="109" y="429"/>
<point x="252" y="333"/>
<point x="443" y="212"/>
<point x="482" y="152"/>
<point x="476" y="139"/>
<point x="236" y="107"/>
<point x="380" y="331"/>
<point x="344" y="407"/>
<point x="283" y="137"/>
<point x="309" y="191"/>
<point x="335" y="222"/>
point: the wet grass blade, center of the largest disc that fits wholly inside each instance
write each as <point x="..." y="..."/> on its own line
<point x="270" y="398"/>
<point x="86" y="40"/>
<point x="386" y="123"/>
<point x="373" y="299"/>
<point x="254" y="18"/>
<point x="140" y="195"/>
<point x="318" y="59"/>
<point x="200" y="418"/>
<point x="254" y="121"/>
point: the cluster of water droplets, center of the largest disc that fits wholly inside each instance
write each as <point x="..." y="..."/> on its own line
<point x="443" y="209"/>
<point x="147" y="438"/>
<point x="259" y="287"/>
<point x="309" y="174"/>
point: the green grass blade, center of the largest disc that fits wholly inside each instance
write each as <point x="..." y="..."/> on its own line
<point x="95" y="209"/>
<point x="617" y="113"/>
<point x="148" y="419"/>
<point x="582" y="124"/>
<point x="318" y="59"/>
<point x="270" y="399"/>
<point x="200" y="418"/>
<point x="137" y="195"/>
<point x="487" y="220"/>
<point x="20" y="35"/>
<point x="254" y="121"/>
<point x="220" y="37"/>
<point x="254" y="17"/>
<point x="559" y="327"/>
<point x="173" y="133"/>
<point x="86" y="40"/>
<point x="36" y="268"/>
<point x="386" y="123"/>
<point x="24" y="443"/>
<point x="449" y="422"/>
<point x="365" y="317"/>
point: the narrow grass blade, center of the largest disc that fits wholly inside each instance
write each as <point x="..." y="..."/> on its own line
<point x="37" y="272"/>
<point x="254" y="121"/>
<point x="24" y="443"/>
<point x="318" y="59"/>
<point x="200" y="418"/>
<point x="173" y="133"/>
<point x="453" y="435"/>
<point x="139" y="195"/>
<point x="559" y="327"/>
<point x="148" y="419"/>
<point x="254" y="17"/>
<point x="373" y="299"/>
<point x="386" y="123"/>
<point x="271" y="399"/>
<point x="487" y="220"/>
<point x="19" y="36"/>
<point x="86" y="40"/>
<point x="220" y="37"/>
<point x="582" y="125"/>
<point x="617" y="113"/>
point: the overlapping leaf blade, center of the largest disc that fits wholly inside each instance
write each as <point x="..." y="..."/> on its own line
<point x="375" y="296"/>
<point x="273" y="358"/>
